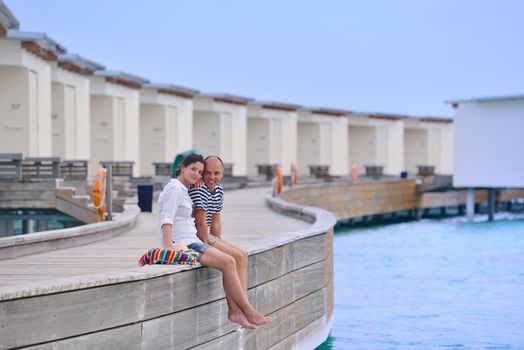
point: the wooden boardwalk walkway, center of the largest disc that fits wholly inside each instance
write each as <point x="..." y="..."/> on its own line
<point x="247" y="222"/>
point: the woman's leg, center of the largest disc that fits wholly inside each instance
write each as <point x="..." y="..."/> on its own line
<point x="234" y="291"/>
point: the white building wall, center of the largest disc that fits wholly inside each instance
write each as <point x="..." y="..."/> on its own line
<point x="308" y="146"/>
<point x="381" y="150"/>
<point x="239" y="140"/>
<point x="447" y="149"/>
<point x="289" y="142"/>
<point x="124" y="117"/>
<point x="166" y="128"/>
<point x="225" y="137"/>
<point x="58" y="119"/>
<point x="416" y="150"/>
<point x="14" y="110"/>
<point x="102" y="123"/>
<point x="32" y="103"/>
<point x="339" y="147"/>
<point x="488" y="140"/>
<point x="206" y="133"/>
<point x="428" y="143"/>
<point x="184" y="139"/>
<point x="154" y="128"/>
<point x="70" y="115"/>
<point x="331" y="142"/>
<point x="395" y="148"/>
<point x="362" y="146"/>
<point x="385" y="147"/>
<point x="275" y="135"/>
<point x="271" y="138"/>
<point x="258" y="143"/>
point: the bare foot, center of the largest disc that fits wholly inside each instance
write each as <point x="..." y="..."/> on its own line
<point x="257" y="318"/>
<point x="240" y="319"/>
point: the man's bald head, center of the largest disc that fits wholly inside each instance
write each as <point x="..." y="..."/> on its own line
<point x="213" y="171"/>
<point x="213" y="160"/>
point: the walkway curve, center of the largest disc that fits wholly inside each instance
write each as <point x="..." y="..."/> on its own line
<point x="94" y="296"/>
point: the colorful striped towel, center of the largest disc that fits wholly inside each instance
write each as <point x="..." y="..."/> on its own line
<point x="168" y="257"/>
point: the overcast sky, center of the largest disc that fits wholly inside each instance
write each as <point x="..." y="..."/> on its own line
<point x="404" y="56"/>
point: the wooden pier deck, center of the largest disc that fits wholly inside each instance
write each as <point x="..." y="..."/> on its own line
<point x="247" y="222"/>
<point x="95" y="296"/>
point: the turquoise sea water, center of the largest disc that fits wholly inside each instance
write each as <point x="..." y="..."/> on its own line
<point x="429" y="285"/>
<point x="21" y="221"/>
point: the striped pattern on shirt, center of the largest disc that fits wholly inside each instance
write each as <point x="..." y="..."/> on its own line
<point x="211" y="202"/>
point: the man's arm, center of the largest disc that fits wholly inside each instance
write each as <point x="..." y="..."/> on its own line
<point x="216" y="225"/>
<point x="200" y="223"/>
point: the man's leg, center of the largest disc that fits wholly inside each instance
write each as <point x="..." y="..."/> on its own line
<point x="237" y="253"/>
<point x="243" y="312"/>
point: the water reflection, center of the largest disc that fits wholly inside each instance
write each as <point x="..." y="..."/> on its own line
<point x="22" y="221"/>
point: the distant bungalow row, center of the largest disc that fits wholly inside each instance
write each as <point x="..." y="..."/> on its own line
<point x="53" y="103"/>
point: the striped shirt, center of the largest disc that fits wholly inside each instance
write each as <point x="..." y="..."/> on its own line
<point x="211" y="202"/>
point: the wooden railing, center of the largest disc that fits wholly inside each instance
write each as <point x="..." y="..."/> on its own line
<point x="41" y="168"/>
<point x="374" y="171"/>
<point x="10" y="166"/>
<point x="119" y="168"/>
<point x="228" y="169"/>
<point x="73" y="169"/>
<point x="356" y="199"/>
<point x="319" y="171"/>
<point x="162" y="169"/>
<point x="426" y="170"/>
<point x="267" y="169"/>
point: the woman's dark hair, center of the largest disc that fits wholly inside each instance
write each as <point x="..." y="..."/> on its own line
<point x="190" y="159"/>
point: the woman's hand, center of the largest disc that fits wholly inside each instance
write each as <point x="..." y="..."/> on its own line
<point x="199" y="183"/>
<point x="166" y="237"/>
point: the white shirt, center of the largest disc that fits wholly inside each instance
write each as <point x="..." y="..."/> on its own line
<point x="176" y="208"/>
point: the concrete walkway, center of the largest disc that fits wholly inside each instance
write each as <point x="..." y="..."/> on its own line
<point x="247" y="222"/>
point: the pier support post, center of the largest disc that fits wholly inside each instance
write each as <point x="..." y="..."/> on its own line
<point x="491" y="203"/>
<point x="470" y="204"/>
<point x="7" y="228"/>
<point x="27" y="226"/>
<point x="42" y="225"/>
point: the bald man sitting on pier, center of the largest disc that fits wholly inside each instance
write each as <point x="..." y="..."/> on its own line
<point x="208" y="201"/>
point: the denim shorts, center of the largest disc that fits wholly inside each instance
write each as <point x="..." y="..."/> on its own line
<point x="199" y="247"/>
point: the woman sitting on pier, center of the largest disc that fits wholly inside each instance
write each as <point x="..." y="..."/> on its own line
<point x="178" y="226"/>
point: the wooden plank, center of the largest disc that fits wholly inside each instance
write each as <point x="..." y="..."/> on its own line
<point x="51" y="317"/>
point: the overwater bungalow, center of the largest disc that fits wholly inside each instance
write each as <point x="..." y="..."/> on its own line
<point x="376" y="141"/>
<point x="322" y="136"/>
<point x="25" y="92"/>
<point x="428" y="144"/>
<point x="219" y="128"/>
<point x="115" y="108"/>
<point x="166" y="124"/>
<point x="271" y="137"/>
<point x="488" y="134"/>
<point x="70" y="106"/>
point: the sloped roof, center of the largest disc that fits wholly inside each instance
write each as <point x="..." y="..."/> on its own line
<point x="7" y="19"/>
